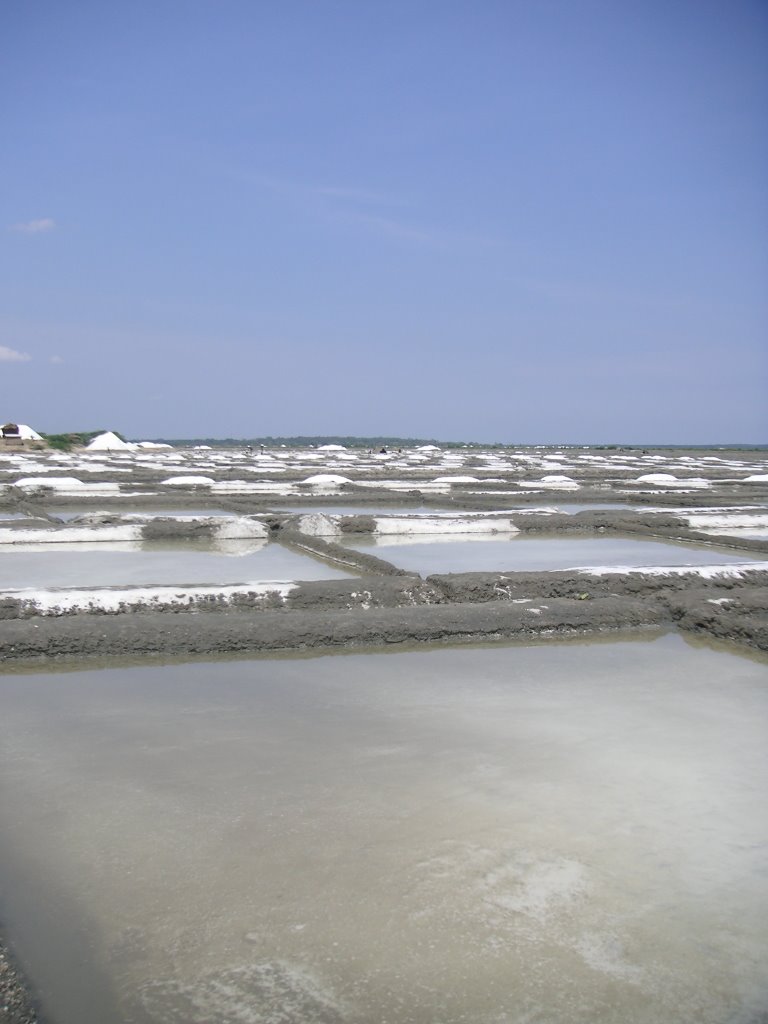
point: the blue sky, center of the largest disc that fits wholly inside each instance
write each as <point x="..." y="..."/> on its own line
<point x="539" y="221"/>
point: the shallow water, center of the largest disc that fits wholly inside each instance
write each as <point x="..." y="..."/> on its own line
<point x="737" y="534"/>
<point x="511" y="835"/>
<point x="571" y="508"/>
<point x="390" y="510"/>
<point x="519" y="553"/>
<point x="134" y="563"/>
<point x="367" y="510"/>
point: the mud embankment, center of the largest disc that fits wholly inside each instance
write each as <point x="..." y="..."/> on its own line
<point x="205" y="633"/>
<point x="385" y="610"/>
<point x="380" y="604"/>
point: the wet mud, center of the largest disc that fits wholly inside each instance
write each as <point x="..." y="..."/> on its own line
<point x="17" y="1005"/>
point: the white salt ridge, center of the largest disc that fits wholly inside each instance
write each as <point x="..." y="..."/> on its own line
<point x="728" y="520"/>
<point x="67" y="486"/>
<point x="442" y="524"/>
<point x="108" y="599"/>
<point x="708" y="572"/>
<point x="29" y="467"/>
<point x="72" y="535"/>
<point x="57" y="482"/>
<point x="253" y="487"/>
<point x="759" y="533"/>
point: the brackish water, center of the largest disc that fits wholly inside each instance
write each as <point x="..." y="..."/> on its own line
<point x="154" y="562"/>
<point x="521" y="553"/>
<point x="510" y="835"/>
<point x="369" y="510"/>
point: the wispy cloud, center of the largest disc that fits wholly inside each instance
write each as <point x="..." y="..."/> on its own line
<point x="385" y="215"/>
<point x="10" y="355"/>
<point x="387" y="226"/>
<point x="355" y="195"/>
<point x="35" y="227"/>
<point x="348" y="206"/>
<point x="56" y="359"/>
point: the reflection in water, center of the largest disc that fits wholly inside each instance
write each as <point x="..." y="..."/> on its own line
<point x="130" y="563"/>
<point x="520" y="553"/>
<point x="594" y="506"/>
<point x="556" y="833"/>
<point x="365" y="510"/>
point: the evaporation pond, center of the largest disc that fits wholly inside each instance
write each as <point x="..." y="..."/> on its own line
<point x="573" y="507"/>
<point x="564" y="833"/>
<point x="130" y="564"/>
<point x="364" y="510"/>
<point x="520" y="553"/>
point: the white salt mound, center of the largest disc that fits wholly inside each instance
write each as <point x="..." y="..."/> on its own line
<point x="57" y="482"/>
<point x="327" y="478"/>
<point x="27" y="433"/>
<point x="109" y="442"/>
<point x="188" y="481"/>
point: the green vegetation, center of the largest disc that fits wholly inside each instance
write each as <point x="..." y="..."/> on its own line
<point x="74" y="439"/>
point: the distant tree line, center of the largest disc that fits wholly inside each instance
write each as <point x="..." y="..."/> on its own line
<point x="74" y="439"/>
<point x="302" y="441"/>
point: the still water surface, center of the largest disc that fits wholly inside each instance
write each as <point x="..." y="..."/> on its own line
<point x="154" y="562"/>
<point x="519" y="553"/>
<point x="510" y="835"/>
